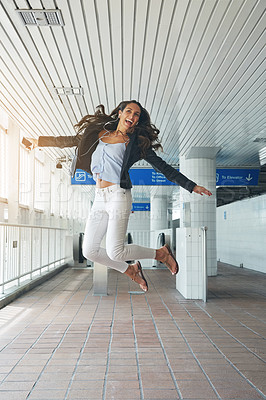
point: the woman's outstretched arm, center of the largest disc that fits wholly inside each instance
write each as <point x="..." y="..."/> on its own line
<point x="173" y="175"/>
<point x="54" y="141"/>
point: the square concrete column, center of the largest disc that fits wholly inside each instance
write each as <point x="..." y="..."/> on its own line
<point x="159" y="222"/>
<point x="100" y="277"/>
<point x="196" y="211"/>
<point x="191" y="281"/>
<point x="159" y="217"/>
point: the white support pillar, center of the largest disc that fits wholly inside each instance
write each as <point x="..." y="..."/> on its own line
<point x="100" y="277"/>
<point x="159" y="217"/>
<point x="100" y="280"/>
<point x="197" y="211"/>
<point x="159" y="221"/>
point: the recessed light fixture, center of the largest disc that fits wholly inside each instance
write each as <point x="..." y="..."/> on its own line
<point x="41" y="17"/>
<point x="260" y="140"/>
<point x="69" y="91"/>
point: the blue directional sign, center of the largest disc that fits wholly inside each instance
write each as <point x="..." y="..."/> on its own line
<point x="141" y="207"/>
<point x="148" y="176"/>
<point x="237" y="177"/>
<point x="138" y="176"/>
<point x="82" y="178"/>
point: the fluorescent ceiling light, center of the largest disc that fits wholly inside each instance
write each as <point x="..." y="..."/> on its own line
<point x="69" y="91"/>
<point x="41" y="17"/>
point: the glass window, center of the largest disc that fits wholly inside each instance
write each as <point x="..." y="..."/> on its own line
<point x="25" y="177"/>
<point x="70" y="203"/>
<point x="3" y="153"/>
<point x="63" y="195"/>
<point x="3" y="162"/>
<point x="3" y="119"/>
<point x="39" y="185"/>
<point x="53" y="194"/>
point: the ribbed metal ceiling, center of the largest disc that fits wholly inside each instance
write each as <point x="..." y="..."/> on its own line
<point x="197" y="66"/>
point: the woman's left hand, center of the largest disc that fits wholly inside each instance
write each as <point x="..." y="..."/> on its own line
<point x="201" y="190"/>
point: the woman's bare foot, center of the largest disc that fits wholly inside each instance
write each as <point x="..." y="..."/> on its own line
<point x="165" y="255"/>
<point x="134" y="271"/>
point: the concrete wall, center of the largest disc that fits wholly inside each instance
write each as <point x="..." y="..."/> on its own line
<point x="241" y="233"/>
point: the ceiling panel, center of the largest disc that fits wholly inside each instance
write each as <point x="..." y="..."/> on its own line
<point x="197" y="65"/>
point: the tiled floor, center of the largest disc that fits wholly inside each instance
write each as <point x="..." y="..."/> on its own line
<point x="60" y="342"/>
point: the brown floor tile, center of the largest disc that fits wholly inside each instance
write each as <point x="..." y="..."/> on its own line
<point x="24" y="369"/>
<point x="118" y="376"/>
<point x="48" y="394"/>
<point x="5" y="369"/>
<point x="238" y="393"/>
<point x="63" y="376"/>
<point x="16" y="395"/>
<point x="188" y="376"/>
<point x="187" y="367"/>
<point x="156" y="376"/>
<point x="165" y="394"/>
<point x="84" y="395"/>
<point x="154" y="368"/>
<point x="59" y="368"/>
<point x="122" y="384"/>
<point x="196" y="389"/>
<point x="122" y="394"/>
<point x="17" y="385"/>
<point x="150" y="383"/>
<point x="87" y="384"/>
<point x="22" y="377"/>
<point x="92" y="360"/>
<point x="125" y="368"/>
<point x="53" y="384"/>
<point x="116" y="364"/>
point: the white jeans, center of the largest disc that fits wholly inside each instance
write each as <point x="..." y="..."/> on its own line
<point x="109" y="215"/>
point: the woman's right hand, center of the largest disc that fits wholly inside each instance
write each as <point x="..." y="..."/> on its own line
<point x="201" y="190"/>
<point x="28" y="142"/>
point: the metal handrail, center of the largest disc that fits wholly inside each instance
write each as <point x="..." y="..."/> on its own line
<point x="27" y="251"/>
<point x="27" y="273"/>
<point x="31" y="226"/>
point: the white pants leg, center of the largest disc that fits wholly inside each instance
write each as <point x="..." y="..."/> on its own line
<point x="109" y="215"/>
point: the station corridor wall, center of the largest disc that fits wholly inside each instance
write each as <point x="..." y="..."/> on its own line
<point x="241" y="233"/>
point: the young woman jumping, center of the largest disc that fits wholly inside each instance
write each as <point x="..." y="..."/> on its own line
<point x="108" y="146"/>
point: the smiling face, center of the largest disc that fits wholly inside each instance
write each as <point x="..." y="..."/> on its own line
<point x="129" y="117"/>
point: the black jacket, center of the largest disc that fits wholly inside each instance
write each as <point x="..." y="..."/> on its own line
<point x="87" y="143"/>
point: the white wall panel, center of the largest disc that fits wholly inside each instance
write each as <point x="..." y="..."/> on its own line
<point x="241" y="233"/>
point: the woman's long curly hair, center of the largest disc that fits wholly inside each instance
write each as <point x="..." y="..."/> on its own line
<point x="147" y="132"/>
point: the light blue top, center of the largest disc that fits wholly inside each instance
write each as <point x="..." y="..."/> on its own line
<point x="107" y="160"/>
